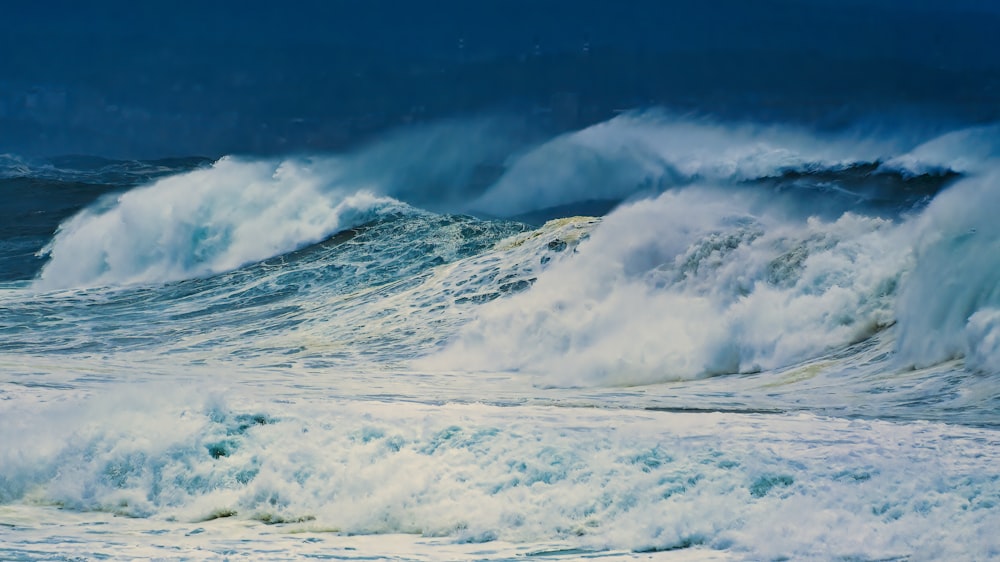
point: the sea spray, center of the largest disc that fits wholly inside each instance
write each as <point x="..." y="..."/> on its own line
<point x="649" y="152"/>
<point x="949" y="303"/>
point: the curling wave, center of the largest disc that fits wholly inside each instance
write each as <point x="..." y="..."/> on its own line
<point x="204" y="222"/>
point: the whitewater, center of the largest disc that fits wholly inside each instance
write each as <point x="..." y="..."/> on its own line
<point x="659" y="337"/>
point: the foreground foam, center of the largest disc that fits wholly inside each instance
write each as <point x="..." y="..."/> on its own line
<point x="757" y="486"/>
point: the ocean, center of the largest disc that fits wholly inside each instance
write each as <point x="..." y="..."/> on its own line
<point x="659" y="337"/>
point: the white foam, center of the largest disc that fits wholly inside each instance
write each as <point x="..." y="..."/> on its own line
<point x="691" y="284"/>
<point x="756" y="486"/>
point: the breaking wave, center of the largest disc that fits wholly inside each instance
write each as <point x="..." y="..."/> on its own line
<point x="203" y="222"/>
<point x="734" y="249"/>
<point x="239" y="211"/>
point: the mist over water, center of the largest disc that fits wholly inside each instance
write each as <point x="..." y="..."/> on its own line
<point x="648" y="152"/>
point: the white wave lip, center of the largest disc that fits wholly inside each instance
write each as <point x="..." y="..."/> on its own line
<point x="205" y="222"/>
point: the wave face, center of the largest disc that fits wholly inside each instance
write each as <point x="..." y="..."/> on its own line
<point x="770" y="343"/>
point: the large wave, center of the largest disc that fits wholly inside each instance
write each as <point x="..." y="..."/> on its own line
<point x="711" y="279"/>
<point x="693" y="283"/>
<point x="717" y="265"/>
<point x="950" y="304"/>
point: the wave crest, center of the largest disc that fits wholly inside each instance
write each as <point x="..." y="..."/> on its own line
<point x="204" y="222"/>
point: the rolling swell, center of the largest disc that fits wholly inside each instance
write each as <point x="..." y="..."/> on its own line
<point x="239" y="211"/>
<point x="260" y="308"/>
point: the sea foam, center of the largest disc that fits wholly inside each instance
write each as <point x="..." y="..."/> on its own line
<point x="793" y="486"/>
